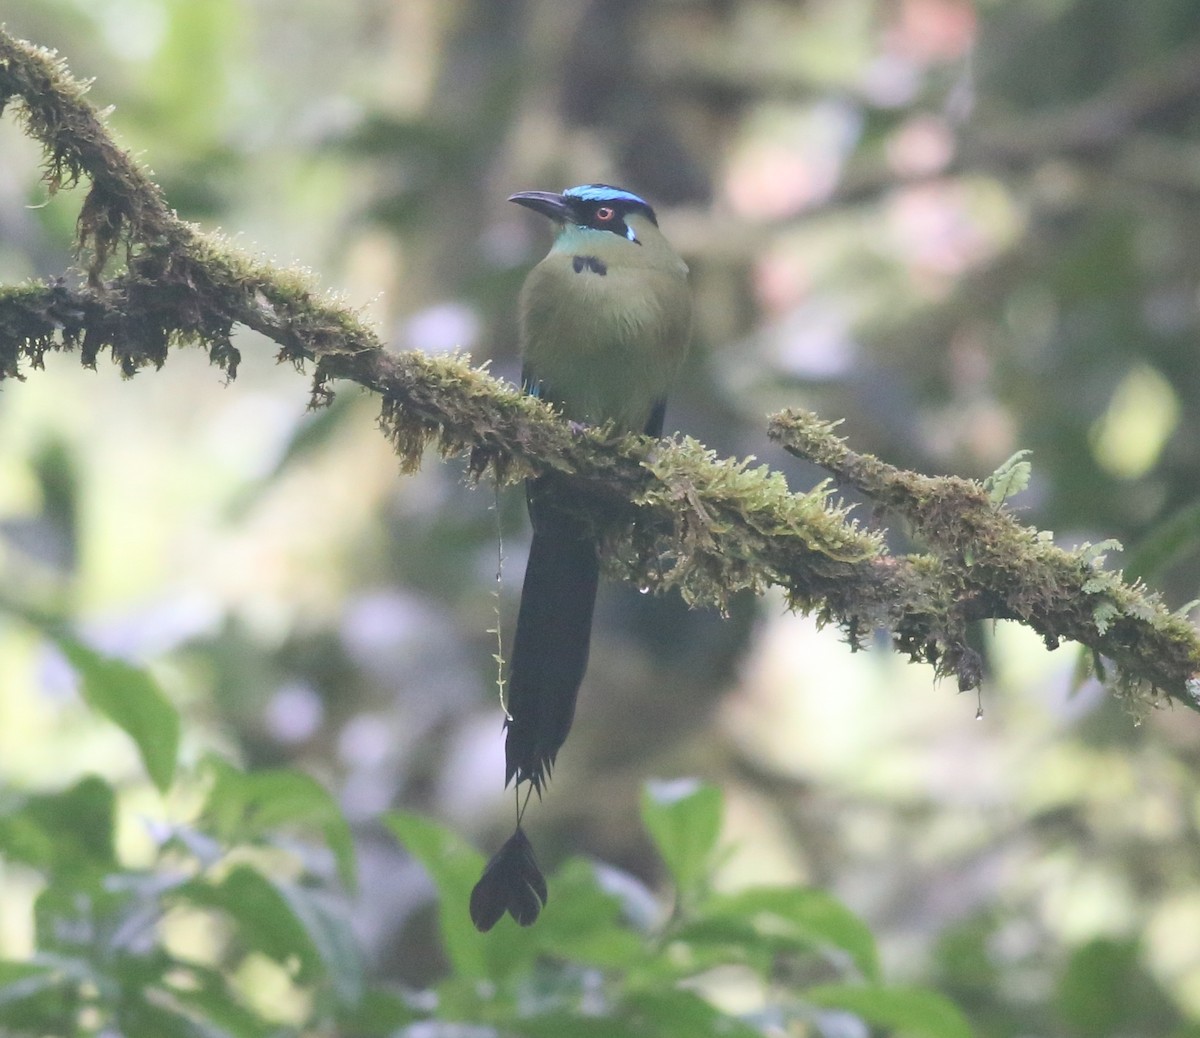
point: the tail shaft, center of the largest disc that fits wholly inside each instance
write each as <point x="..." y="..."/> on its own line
<point x="554" y="630"/>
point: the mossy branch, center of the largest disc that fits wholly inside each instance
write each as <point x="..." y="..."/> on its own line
<point x="994" y="567"/>
<point x="671" y="514"/>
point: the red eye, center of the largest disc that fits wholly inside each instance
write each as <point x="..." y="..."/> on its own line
<point x="604" y="214"/>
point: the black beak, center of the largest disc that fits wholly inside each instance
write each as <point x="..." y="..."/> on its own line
<point x="545" y="202"/>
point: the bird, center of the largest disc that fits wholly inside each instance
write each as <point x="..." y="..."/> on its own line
<point x="605" y="321"/>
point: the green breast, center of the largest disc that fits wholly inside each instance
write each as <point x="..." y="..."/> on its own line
<point x="604" y="347"/>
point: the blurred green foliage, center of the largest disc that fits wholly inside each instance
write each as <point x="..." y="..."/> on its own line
<point x="967" y="229"/>
<point x="112" y="955"/>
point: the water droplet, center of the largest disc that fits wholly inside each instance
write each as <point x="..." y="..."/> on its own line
<point x="644" y="589"/>
<point x="979" y="713"/>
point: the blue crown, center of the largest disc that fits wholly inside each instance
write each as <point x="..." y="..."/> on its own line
<point x="604" y="193"/>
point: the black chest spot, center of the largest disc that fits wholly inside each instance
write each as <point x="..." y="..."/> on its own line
<point x="581" y="264"/>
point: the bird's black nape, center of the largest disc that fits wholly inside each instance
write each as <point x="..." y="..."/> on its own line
<point x="511" y="882"/>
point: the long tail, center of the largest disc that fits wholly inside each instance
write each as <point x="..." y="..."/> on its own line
<point x="554" y="630"/>
<point x="511" y="882"/>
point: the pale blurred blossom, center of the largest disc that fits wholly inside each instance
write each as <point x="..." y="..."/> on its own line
<point x="932" y="229"/>
<point x="57" y="680"/>
<point x="890" y="81"/>
<point x="930" y="31"/>
<point x="382" y="630"/>
<point x="135" y="636"/>
<point x="365" y="741"/>
<point x="813" y="342"/>
<point x="294" y="713"/>
<point x="509" y="243"/>
<point x="791" y="162"/>
<point x="155" y="628"/>
<point x="781" y="281"/>
<point x="133" y="29"/>
<point x="920" y="147"/>
<point x="251" y="431"/>
<point x="467" y="785"/>
<point x="366" y="793"/>
<point x="329" y="117"/>
<point x="771" y="180"/>
<point x="441" y="328"/>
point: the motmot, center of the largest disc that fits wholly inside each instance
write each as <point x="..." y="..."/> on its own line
<point x="605" y="320"/>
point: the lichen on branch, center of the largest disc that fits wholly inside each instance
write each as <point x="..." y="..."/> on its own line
<point x="999" y="568"/>
<point x="670" y="514"/>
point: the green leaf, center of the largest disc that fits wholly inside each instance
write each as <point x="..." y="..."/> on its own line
<point x="1184" y="611"/>
<point x="207" y="994"/>
<point x="678" y="1013"/>
<point x="289" y="923"/>
<point x="1103" y="614"/>
<point x="684" y="819"/>
<point x="660" y="1013"/>
<point x="35" y="997"/>
<point x="641" y="908"/>
<point x="1100" y="583"/>
<point x="910" y="1012"/>
<point x="794" y="917"/>
<point x="1170" y="541"/>
<point x="1106" y="991"/>
<point x="582" y="923"/>
<point x="1094" y="554"/>
<point x="255" y="806"/>
<point x="67" y="916"/>
<point x="130" y="698"/>
<point x="148" y="1013"/>
<point x="380" y="1011"/>
<point x="557" y="1024"/>
<point x="22" y="979"/>
<point x="454" y="868"/>
<point x="1009" y="479"/>
<point x="64" y="832"/>
<point x="328" y="927"/>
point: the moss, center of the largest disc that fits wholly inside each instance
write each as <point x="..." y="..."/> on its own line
<point x="997" y="567"/>
<point x="670" y="514"/>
